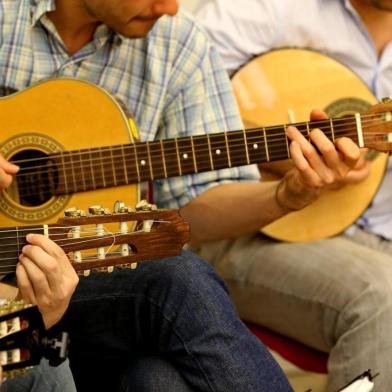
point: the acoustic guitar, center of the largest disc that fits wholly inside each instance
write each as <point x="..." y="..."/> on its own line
<point x="283" y="86"/>
<point x="60" y="132"/>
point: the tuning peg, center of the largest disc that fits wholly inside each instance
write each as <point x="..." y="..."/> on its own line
<point x="74" y="212"/>
<point x="98" y="210"/>
<point x="120" y="207"/>
<point x="144" y="205"/>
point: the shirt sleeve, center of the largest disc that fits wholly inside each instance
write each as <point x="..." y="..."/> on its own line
<point x="199" y="101"/>
<point x="241" y="29"/>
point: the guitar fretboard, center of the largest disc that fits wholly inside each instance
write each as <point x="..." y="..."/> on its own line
<point x="12" y="241"/>
<point x="95" y="168"/>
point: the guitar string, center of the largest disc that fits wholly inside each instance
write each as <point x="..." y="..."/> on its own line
<point x="77" y="264"/>
<point x="321" y="123"/>
<point x="119" y="167"/>
<point x="270" y="143"/>
<point x="113" y="235"/>
<point x="67" y="228"/>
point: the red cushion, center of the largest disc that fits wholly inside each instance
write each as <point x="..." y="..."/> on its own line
<point x="297" y="353"/>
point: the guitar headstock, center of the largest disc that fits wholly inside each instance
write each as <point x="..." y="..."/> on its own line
<point x="377" y="126"/>
<point x="22" y="339"/>
<point x="101" y="239"/>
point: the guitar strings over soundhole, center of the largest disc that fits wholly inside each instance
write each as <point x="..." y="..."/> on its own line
<point x="37" y="179"/>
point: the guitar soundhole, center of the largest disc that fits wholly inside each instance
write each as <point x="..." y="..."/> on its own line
<point x="36" y="180"/>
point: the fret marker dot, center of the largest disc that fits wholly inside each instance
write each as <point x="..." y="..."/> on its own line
<point x="142" y="162"/>
<point x="185" y="156"/>
<point x="255" y="146"/>
<point x="218" y="152"/>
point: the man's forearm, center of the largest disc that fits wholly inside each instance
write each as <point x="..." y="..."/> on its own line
<point x="232" y="210"/>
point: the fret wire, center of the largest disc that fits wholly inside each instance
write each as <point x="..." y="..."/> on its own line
<point x="194" y="156"/>
<point x="17" y="239"/>
<point x="266" y="145"/>
<point x="287" y="141"/>
<point x="332" y="130"/>
<point x="82" y="171"/>
<point x="178" y="157"/>
<point x="73" y="172"/>
<point x="210" y="152"/>
<point x="227" y="149"/>
<point x="113" y="169"/>
<point x="308" y="130"/>
<point x="137" y="162"/>
<point x="246" y="147"/>
<point x="149" y="159"/>
<point x="102" y="168"/>
<point x="163" y="159"/>
<point x="92" y="171"/>
<point x="65" y="173"/>
<point x="124" y="164"/>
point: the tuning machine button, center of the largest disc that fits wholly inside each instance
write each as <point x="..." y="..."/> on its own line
<point x="74" y="212"/>
<point x="98" y="210"/>
<point x="144" y="205"/>
<point x="120" y="207"/>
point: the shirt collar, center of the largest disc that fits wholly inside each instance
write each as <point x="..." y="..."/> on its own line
<point x="38" y="8"/>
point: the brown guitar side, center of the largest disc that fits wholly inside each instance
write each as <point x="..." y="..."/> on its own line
<point x="283" y="86"/>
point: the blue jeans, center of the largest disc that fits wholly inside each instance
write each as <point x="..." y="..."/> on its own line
<point x="42" y="378"/>
<point x="176" y="309"/>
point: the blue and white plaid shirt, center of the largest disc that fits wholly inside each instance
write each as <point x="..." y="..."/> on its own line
<point x="172" y="80"/>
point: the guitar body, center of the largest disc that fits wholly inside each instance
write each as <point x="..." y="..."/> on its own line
<point x="283" y="86"/>
<point x="53" y="116"/>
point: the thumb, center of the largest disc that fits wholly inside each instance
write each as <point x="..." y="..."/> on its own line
<point x="8" y="167"/>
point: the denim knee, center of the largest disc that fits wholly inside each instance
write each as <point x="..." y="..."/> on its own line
<point x="190" y="273"/>
<point x="151" y="373"/>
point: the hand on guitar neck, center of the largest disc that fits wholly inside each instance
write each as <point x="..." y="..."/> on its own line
<point x="315" y="171"/>
<point x="276" y="170"/>
<point x="45" y="278"/>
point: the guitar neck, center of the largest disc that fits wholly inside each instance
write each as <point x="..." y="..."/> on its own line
<point x="133" y="163"/>
<point x="102" y="239"/>
<point x="12" y="240"/>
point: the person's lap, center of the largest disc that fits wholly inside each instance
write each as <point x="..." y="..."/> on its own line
<point x="176" y="308"/>
<point x="334" y="295"/>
